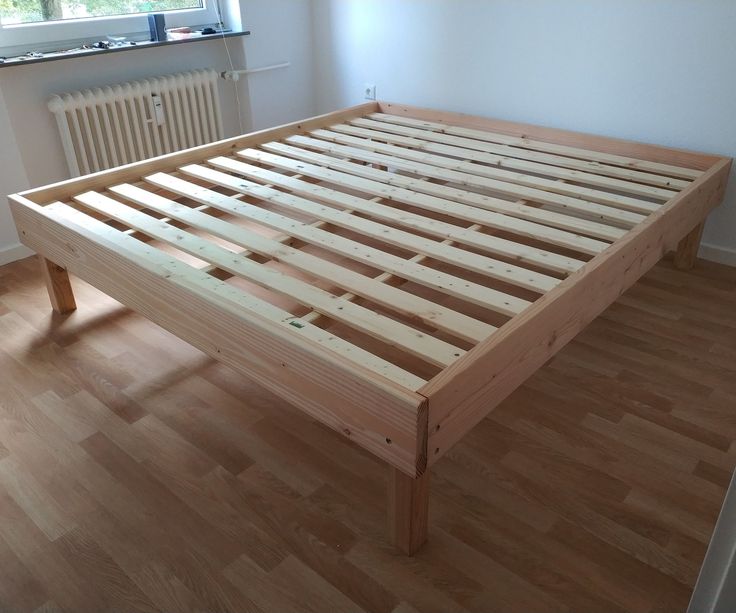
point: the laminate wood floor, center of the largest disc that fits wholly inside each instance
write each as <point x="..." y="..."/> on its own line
<point x="138" y="475"/>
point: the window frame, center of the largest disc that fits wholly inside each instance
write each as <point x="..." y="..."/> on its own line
<point x="39" y="33"/>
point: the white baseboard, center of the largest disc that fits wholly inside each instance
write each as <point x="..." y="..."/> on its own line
<point x="11" y="253"/>
<point x="714" y="253"/>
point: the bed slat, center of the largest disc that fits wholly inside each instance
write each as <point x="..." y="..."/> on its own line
<point x="465" y="213"/>
<point x="483" y="145"/>
<point x="247" y="306"/>
<point x="498" y="221"/>
<point x="529" y="143"/>
<point x="551" y="166"/>
<point x="597" y="211"/>
<point x="512" y="209"/>
<point x="428" y="312"/>
<point x="498" y="246"/>
<point x="474" y="262"/>
<point x="429" y="277"/>
<point x="419" y="344"/>
<point x="415" y="161"/>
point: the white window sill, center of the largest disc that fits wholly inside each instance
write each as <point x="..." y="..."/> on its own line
<point x="142" y="43"/>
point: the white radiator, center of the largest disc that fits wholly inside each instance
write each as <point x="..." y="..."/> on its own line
<point x="113" y="125"/>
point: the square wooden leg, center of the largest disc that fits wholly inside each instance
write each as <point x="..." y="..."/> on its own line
<point x="58" y="286"/>
<point x="687" y="250"/>
<point x="408" y="510"/>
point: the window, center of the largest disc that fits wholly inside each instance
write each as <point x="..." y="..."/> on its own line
<point x="49" y="25"/>
<point x="33" y="11"/>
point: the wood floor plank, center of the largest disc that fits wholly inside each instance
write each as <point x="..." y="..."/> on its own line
<point x="137" y="475"/>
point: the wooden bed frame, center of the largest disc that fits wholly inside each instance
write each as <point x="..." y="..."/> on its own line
<point x="394" y="272"/>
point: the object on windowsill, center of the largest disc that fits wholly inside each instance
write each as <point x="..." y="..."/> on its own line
<point x="179" y="33"/>
<point x="157" y="27"/>
<point x="30" y="55"/>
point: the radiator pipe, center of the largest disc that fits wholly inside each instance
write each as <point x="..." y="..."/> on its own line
<point x="234" y="75"/>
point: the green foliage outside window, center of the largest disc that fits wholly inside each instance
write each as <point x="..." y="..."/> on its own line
<point x="28" y="11"/>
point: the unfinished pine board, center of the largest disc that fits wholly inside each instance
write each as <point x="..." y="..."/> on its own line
<point x="394" y="272"/>
<point x="416" y="162"/>
<point x="59" y="287"/>
<point x="455" y="286"/>
<point x="488" y="218"/>
<point x="598" y="211"/>
<point x="503" y="157"/>
<point x="581" y="152"/>
<point x="477" y="263"/>
<point x="452" y="196"/>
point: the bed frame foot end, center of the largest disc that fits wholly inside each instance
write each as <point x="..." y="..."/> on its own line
<point x="58" y="286"/>
<point x="408" y="510"/>
<point x="687" y="250"/>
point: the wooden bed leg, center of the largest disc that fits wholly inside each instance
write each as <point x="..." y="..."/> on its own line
<point x="58" y="286"/>
<point x="687" y="250"/>
<point x="408" y="506"/>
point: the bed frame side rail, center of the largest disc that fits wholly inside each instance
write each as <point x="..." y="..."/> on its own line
<point x="464" y="393"/>
<point x="381" y="416"/>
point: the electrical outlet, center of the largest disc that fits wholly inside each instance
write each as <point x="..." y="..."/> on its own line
<point x="369" y="91"/>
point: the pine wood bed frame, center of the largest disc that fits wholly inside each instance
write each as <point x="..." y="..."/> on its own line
<point x="395" y="272"/>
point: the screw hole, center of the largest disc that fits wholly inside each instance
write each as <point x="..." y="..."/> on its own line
<point x="388" y="440"/>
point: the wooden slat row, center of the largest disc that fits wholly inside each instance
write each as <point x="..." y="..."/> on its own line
<point x="496" y="269"/>
<point x="428" y="277"/>
<point x="598" y="212"/>
<point x="506" y="157"/>
<point x="383" y="277"/>
<point x="249" y="308"/>
<point x="415" y="342"/>
<point x="403" y="156"/>
<point x="407" y="304"/>
<point x="511" y="209"/>
<point x="465" y="213"/>
<point x="491" y="219"/>
<point x="608" y="159"/>
<point x="387" y="277"/>
<point x="497" y="246"/>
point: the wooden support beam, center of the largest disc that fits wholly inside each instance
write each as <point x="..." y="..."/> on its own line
<point x="408" y="510"/>
<point x="687" y="249"/>
<point x="58" y="286"/>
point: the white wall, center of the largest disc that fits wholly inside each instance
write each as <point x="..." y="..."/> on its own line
<point x="715" y="591"/>
<point x="282" y="32"/>
<point x="30" y="149"/>
<point x="12" y="178"/>
<point x="662" y="71"/>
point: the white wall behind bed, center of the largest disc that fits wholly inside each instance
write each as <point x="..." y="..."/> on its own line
<point x="662" y="71"/>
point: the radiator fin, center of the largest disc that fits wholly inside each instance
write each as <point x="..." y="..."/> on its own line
<point x="109" y="126"/>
